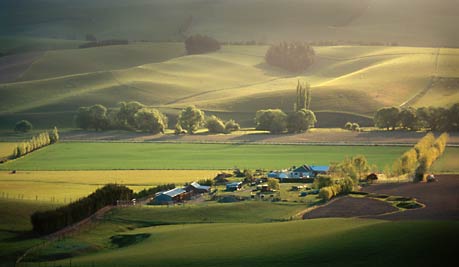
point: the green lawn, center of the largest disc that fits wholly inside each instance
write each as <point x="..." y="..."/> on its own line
<point x="105" y="156"/>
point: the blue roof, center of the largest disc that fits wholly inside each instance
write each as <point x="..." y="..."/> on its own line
<point x="304" y="168"/>
<point x="235" y="184"/>
<point x="320" y="168"/>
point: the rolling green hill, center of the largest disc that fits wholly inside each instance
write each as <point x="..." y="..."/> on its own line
<point x="408" y="22"/>
<point x="233" y="82"/>
<point x="320" y="242"/>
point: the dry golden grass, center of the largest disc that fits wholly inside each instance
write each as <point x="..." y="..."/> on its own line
<point x="6" y="149"/>
<point x="63" y="186"/>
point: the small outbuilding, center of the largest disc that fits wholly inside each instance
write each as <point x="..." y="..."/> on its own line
<point x="196" y="189"/>
<point x="234" y="186"/>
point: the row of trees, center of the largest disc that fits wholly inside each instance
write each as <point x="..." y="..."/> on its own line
<point x="433" y="118"/>
<point x="36" y="142"/>
<point x="420" y="158"/>
<point x="45" y="222"/>
<point x="276" y="121"/>
<point x="135" y="116"/>
<point x="293" y="57"/>
<point x="128" y="116"/>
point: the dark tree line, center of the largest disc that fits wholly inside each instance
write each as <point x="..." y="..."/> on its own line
<point x="293" y="57"/>
<point x="96" y="43"/>
<point x="200" y="44"/>
<point x="45" y="222"/>
<point x="432" y="118"/>
<point x="128" y="116"/>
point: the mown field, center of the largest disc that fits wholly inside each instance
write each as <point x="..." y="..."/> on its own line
<point x="125" y="156"/>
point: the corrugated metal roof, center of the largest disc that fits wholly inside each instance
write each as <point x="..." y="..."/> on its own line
<point x="174" y="192"/>
<point x="304" y="168"/>
<point x="320" y="168"/>
<point x="198" y="186"/>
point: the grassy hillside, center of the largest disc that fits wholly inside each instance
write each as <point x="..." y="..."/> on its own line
<point x="321" y="242"/>
<point x="234" y="82"/>
<point x="74" y="61"/>
<point x="409" y="22"/>
<point x="125" y="156"/>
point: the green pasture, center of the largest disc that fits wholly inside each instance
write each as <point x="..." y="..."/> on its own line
<point x="319" y="242"/>
<point x="125" y="156"/>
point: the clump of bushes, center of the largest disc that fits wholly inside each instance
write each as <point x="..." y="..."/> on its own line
<point x="127" y="116"/>
<point x="339" y="187"/>
<point x="352" y="126"/>
<point x="293" y="57"/>
<point x="216" y="125"/>
<point x="200" y="44"/>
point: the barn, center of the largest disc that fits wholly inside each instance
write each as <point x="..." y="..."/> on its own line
<point x="171" y="196"/>
<point x="196" y="189"/>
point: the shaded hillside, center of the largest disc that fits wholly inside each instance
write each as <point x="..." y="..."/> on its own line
<point x="407" y="22"/>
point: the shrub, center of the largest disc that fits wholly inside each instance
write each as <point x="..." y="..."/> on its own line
<point x="348" y="125"/>
<point x="23" y="126"/>
<point x="325" y="193"/>
<point x="150" y="120"/>
<point x="191" y="118"/>
<point x="215" y="125"/>
<point x="355" y="127"/>
<point x="273" y="120"/>
<point x="300" y="121"/>
<point x="231" y="126"/>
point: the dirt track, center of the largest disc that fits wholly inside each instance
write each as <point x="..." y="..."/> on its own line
<point x="441" y="200"/>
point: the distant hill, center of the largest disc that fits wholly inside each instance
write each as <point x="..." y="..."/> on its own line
<point x="234" y="82"/>
<point x="406" y="22"/>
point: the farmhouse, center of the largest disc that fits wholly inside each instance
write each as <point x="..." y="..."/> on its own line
<point x="196" y="189"/>
<point x="171" y="196"/>
<point x="233" y="186"/>
<point x="304" y="171"/>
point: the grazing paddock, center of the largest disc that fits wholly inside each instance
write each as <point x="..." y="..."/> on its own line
<point x="63" y="186"/>
<point x="6" y="149"/>
<point x="126" y="156"/>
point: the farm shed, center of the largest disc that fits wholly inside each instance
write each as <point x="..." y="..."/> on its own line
<point x="171" y="196"/>
<point x="233" y="186"/>
<point x="195" y="188"/>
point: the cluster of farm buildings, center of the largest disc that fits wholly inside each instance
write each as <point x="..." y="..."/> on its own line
<point x="188" y="192"/>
